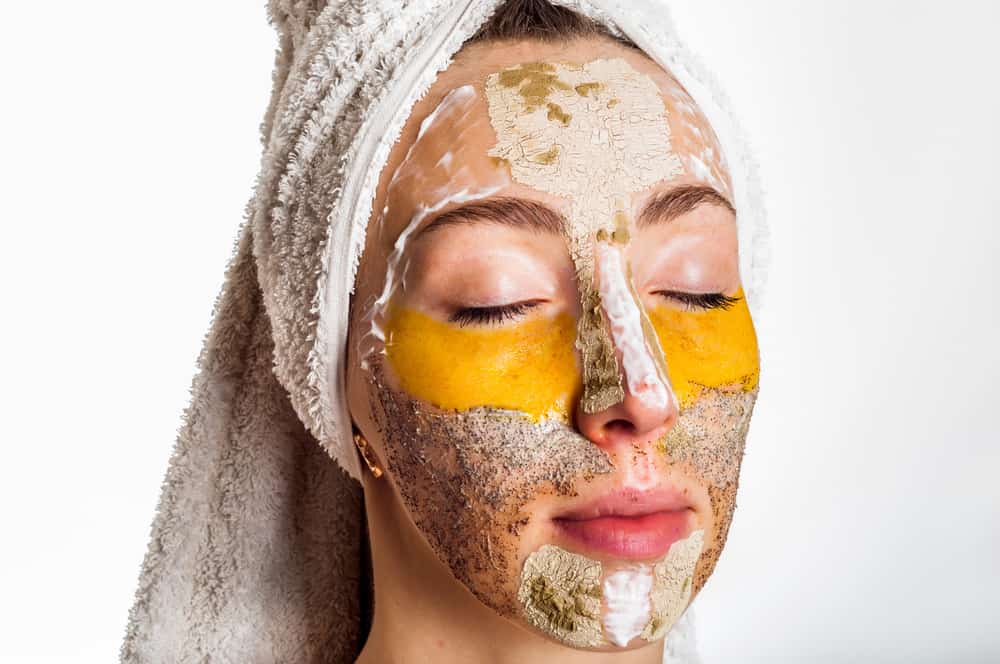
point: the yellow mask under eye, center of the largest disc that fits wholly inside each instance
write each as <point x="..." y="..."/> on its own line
<point x="708" y="349"/>
<point x="529" y="366"/>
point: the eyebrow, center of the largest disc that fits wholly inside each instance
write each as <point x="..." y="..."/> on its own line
<point x="504" y="210"/>
<point x="527" y="214"/>
<point x="668" y="205"/>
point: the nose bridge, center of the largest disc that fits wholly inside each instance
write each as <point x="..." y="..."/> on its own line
<point x="646" y="402"/>
<point x="642" y="363"/>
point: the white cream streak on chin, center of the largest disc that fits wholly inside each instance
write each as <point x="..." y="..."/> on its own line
<point x="625" y="319"/>
<point x="586" y="603"/>
<point x="626" y="600"/>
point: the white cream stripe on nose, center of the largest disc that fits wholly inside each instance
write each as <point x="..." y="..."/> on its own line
<point x="642" y="373"/>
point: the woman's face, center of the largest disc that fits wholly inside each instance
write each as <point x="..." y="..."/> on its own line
<point x="550" y="347"/>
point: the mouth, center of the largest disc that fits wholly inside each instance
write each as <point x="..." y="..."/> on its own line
<point x="628" y="524"/>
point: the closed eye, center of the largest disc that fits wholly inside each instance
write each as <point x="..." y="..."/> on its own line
<point x="696" y="301"/>
<point x="494" y="315"/>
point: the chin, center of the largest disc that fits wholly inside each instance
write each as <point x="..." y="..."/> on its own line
<point x="615" y="568"/>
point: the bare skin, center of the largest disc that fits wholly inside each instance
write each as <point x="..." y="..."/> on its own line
<point x="422" y="612"/>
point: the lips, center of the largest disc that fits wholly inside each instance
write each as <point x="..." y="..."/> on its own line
<point x="629" y="525"/>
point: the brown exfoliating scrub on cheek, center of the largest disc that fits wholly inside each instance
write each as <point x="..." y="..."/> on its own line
<point x="466" y="478"/>
<point x="707" y="443"/>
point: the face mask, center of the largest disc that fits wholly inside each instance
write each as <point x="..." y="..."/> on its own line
<point x="559" y="249"/>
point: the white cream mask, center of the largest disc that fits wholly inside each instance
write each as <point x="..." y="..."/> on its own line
<point x="429" y="178"/>
<point x="644" y="367"/>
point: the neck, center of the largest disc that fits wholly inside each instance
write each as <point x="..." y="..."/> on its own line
<point x="424" y="615"/>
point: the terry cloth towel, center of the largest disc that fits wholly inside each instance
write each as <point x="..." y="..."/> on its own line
<point x="258" y="546"/>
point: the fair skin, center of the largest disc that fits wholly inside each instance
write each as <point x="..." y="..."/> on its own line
<point x="434" y="603"/>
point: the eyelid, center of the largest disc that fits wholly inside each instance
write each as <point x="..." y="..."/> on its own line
<point x="492" y="315"/>
<point x="694" y="301"/>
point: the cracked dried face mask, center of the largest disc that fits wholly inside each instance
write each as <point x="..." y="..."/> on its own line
<point x="555" y="252"/>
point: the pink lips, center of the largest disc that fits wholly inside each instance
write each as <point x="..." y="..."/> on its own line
<point x="630" y="525"/>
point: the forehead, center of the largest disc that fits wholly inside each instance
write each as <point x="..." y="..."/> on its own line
<point x="482" y="114"/>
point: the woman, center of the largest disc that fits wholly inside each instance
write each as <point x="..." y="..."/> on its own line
<point x="493" y="269"/>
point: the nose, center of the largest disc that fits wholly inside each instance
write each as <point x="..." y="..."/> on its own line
<point x="631" y="421"/>
<point x="648" y="408"/>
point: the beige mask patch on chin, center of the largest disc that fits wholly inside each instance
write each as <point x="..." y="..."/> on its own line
<point x="593" y="134"/>
<point x="577" y="600"/>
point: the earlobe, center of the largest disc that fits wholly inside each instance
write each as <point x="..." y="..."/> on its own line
<point x="367" y="454"/>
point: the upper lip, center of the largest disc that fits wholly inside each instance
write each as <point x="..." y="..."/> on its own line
<point x="629" y="502"/>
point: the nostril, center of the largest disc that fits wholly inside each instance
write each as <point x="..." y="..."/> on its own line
<point x="620" y="426"/>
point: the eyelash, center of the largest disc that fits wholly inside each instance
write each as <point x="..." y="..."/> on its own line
<point x="700" y="300"/>
<point x="502" y="313"/>
<point x="491" y="315"/>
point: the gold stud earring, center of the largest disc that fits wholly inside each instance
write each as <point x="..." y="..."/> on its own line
<point x="362" y="445"/>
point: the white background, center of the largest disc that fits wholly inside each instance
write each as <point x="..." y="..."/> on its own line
<point x="868" y="525"/>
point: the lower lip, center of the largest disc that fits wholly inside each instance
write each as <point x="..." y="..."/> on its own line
<point x="628" y="537"/>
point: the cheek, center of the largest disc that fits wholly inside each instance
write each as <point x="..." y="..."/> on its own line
<point x="714" y="366"/>
<point x="528" y="367"/>
<point x="471" y="482"/>
<point x="706" y="350"/>
<point x="476" y="480"/>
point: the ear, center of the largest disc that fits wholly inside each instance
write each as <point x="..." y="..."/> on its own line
<point x="364" y="432"/>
